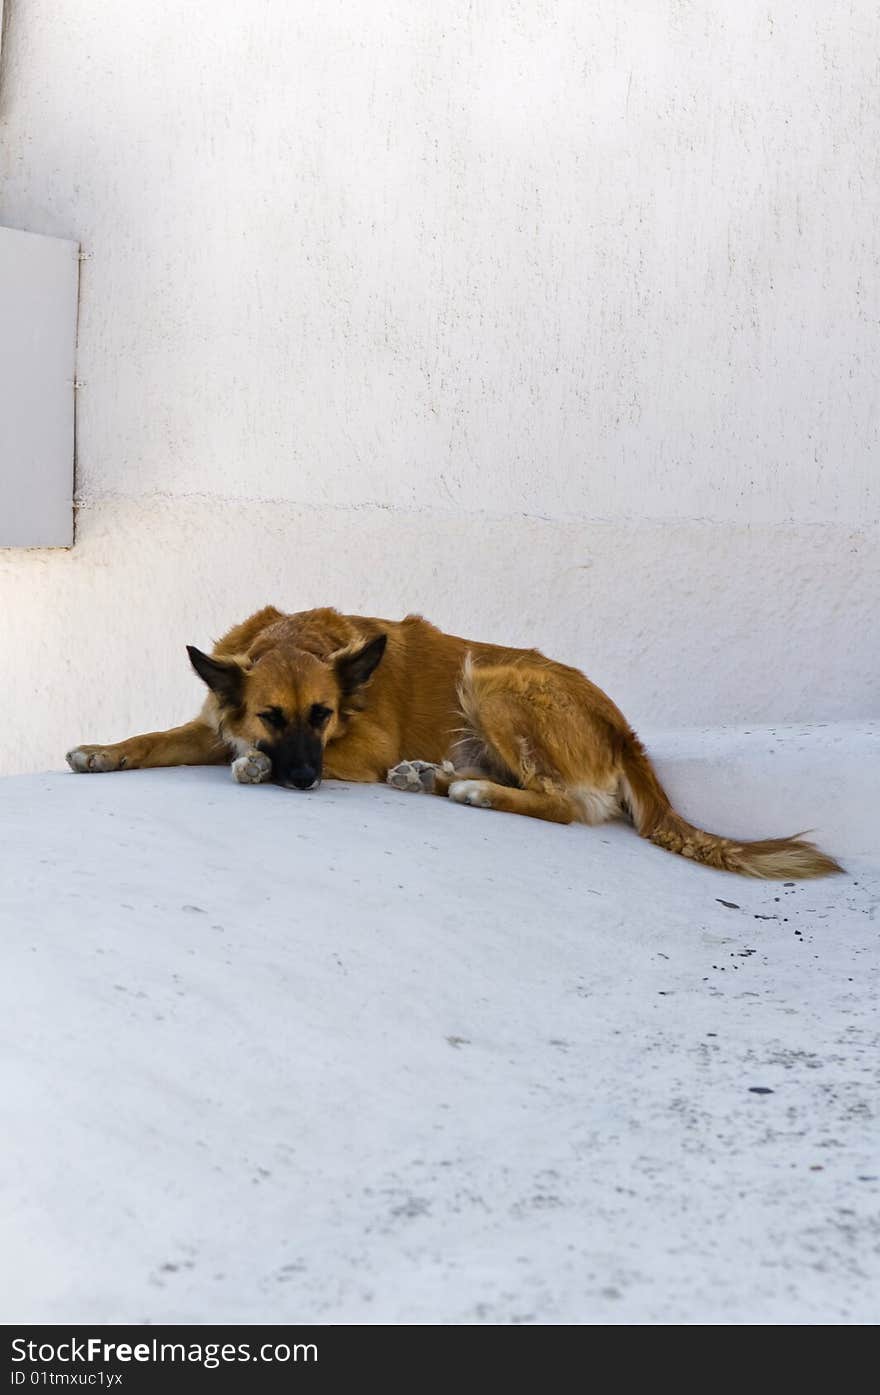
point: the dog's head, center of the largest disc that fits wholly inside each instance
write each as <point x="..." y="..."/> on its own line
<point x="288" y="703"/>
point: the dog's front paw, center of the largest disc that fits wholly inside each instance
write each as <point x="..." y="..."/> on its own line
<point x="255" y="768"/>
<point x="416" y="775"/>
<point x="88" y="760"/>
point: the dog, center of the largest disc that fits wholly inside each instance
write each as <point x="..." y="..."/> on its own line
<point x="294" y="698"/>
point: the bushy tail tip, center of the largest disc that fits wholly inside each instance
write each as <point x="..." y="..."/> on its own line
<point x="771" y="858"/>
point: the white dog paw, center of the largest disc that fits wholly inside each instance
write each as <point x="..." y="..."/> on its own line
<point x="87" y="760"/>
<point x="416" y="775"/>
<point x="474" y="792"/>
<point x="253" y="769"/>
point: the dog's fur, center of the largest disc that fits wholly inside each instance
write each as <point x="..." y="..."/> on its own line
<point x="292" y="697"/>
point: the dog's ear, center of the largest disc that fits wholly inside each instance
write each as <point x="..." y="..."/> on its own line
<point x="225" y="677"/>
<point x="357" y="663"/>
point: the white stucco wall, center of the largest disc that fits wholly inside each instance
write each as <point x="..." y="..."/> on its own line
<point x="555" y="321"/>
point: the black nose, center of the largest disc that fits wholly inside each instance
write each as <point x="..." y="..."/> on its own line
<point x="302" y="779"/>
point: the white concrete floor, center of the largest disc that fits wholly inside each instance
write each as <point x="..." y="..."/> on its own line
<point x="363" y="1056"/>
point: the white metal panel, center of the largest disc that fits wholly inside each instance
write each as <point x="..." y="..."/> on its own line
<point x="38" y="301"/>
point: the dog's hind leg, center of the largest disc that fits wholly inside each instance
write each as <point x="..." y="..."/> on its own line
<point x="476" y="787"/>
<point x="555" y="805"/>
<point x="196" y="743"/>
<point x="539" y="754"/>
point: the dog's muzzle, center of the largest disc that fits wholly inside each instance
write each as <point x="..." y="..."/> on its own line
<point x="308" y="780"/>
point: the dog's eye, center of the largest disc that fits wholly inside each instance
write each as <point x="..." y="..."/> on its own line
<point x="274" y="718"/>
<point x="319" y="714"/>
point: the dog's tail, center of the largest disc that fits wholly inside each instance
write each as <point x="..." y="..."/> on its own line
<point x="655" y="819"/>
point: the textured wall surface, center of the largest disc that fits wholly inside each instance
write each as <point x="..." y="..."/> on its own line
<point x="557" y="321"/>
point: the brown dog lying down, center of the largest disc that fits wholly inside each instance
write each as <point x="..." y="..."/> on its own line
<point x="293" y="697"/>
